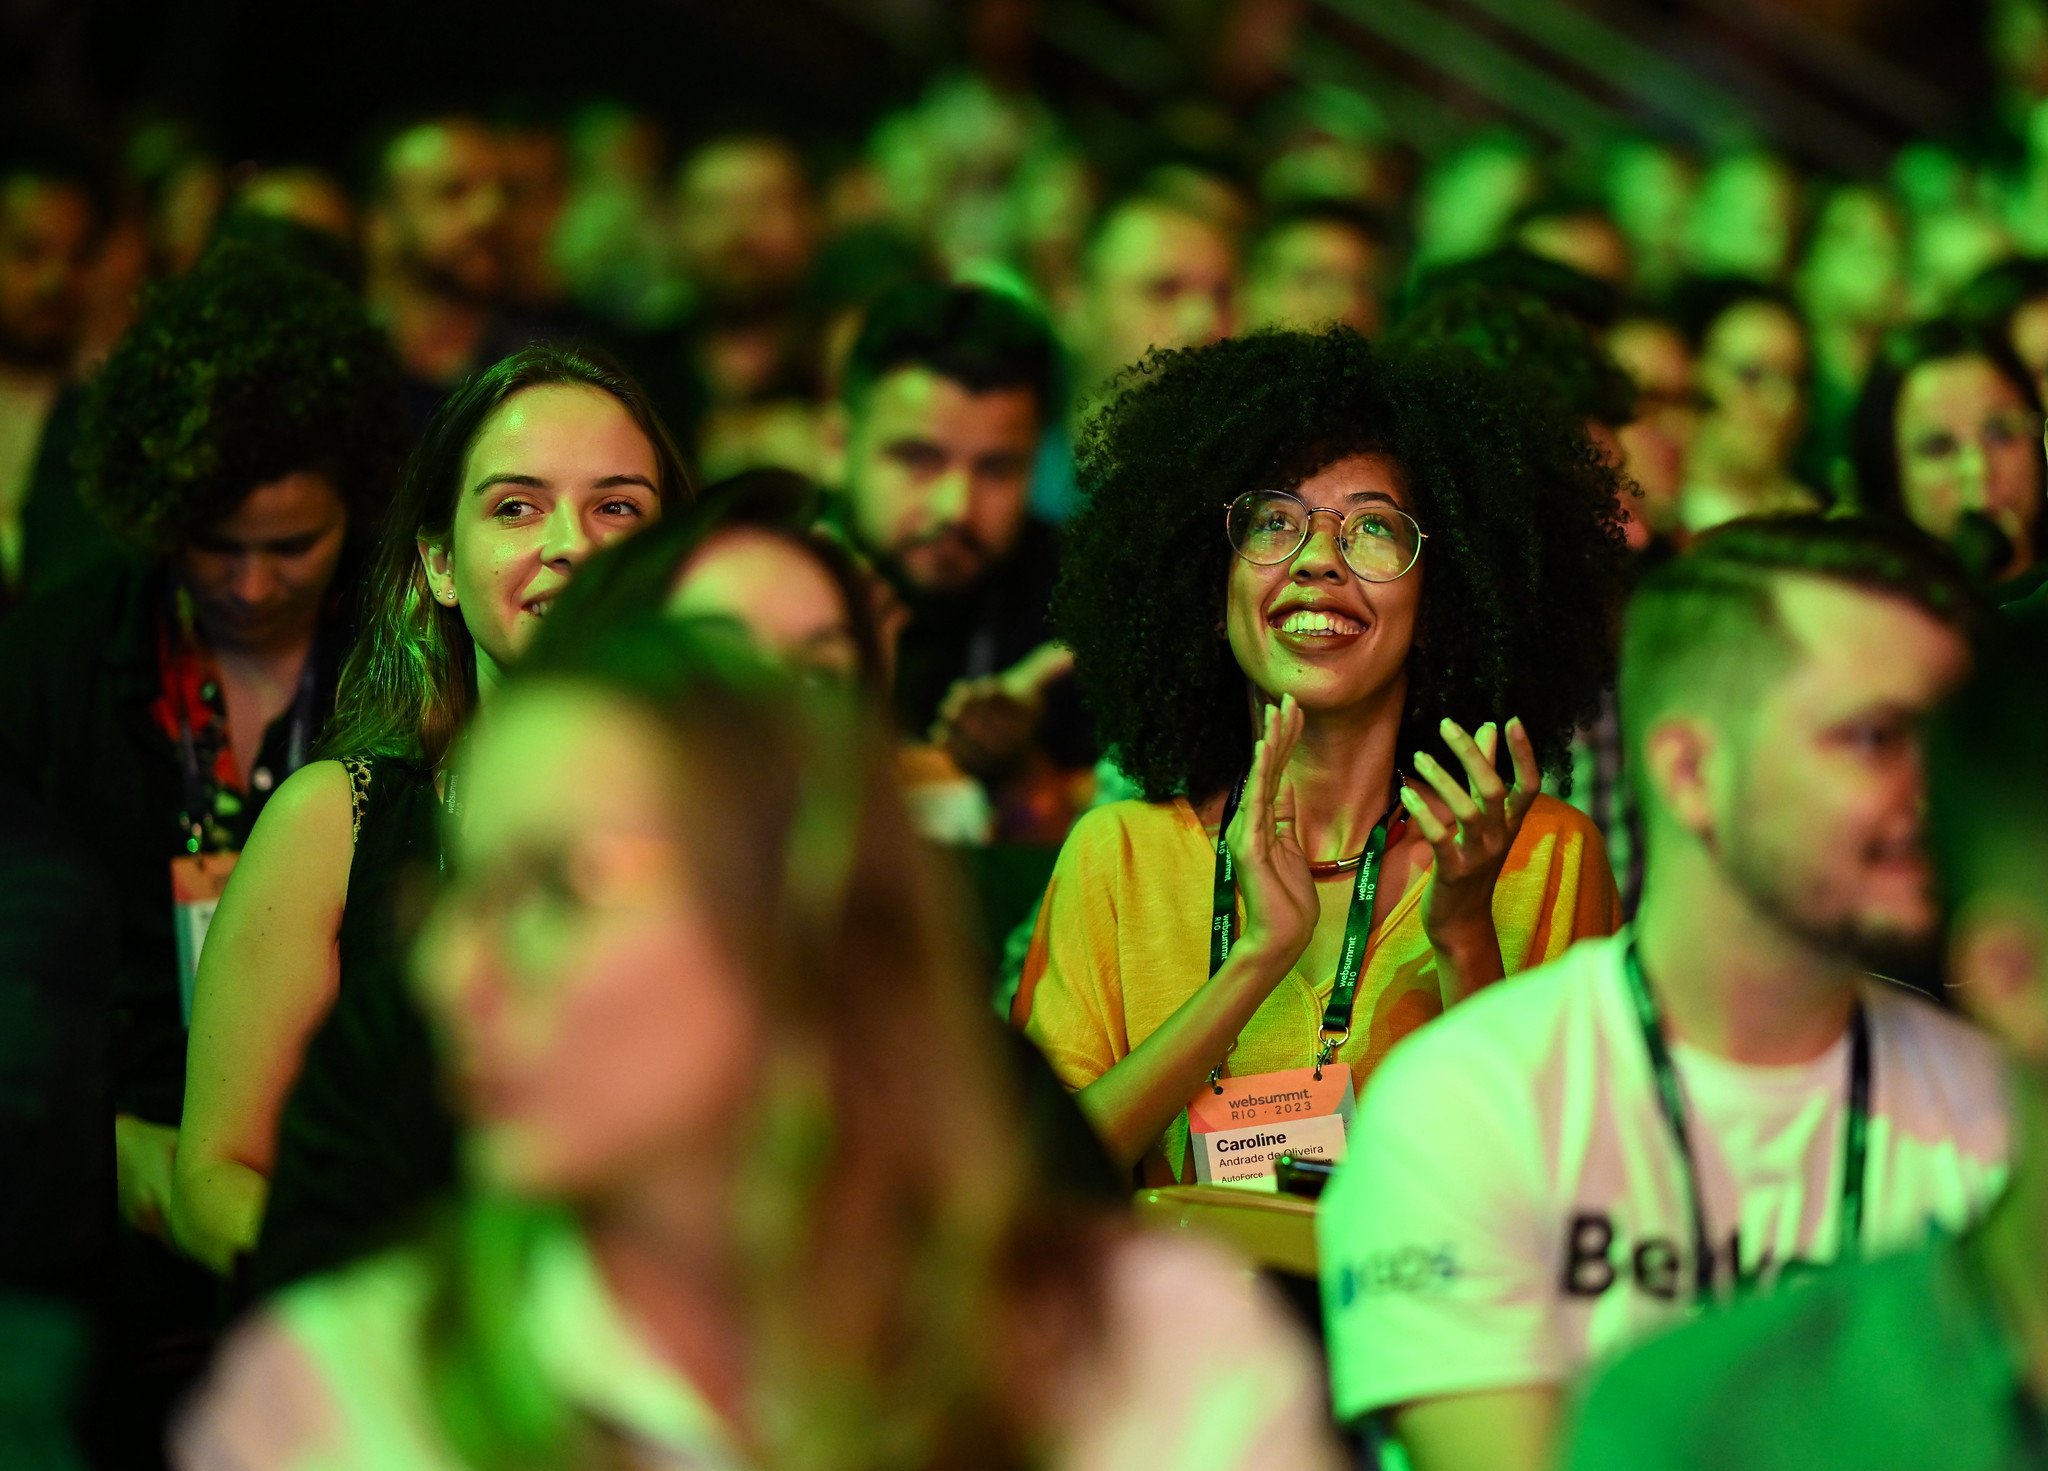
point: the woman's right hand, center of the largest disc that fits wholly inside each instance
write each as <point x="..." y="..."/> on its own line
<point x="1280" y="903"/>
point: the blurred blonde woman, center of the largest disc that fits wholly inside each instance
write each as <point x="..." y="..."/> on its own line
<point x="748" y="1179"/>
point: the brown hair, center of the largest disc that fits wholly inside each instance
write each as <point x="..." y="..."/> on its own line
<point x="409" y="685"/>
<point x="910" y="1296"/>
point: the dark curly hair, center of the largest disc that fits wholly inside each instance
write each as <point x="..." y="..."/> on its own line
<point x="251" y="366"/>
<point x="1520" y="332"/>
<point x="1526" y="562"/>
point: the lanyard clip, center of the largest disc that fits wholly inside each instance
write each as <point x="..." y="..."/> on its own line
<point x="1332" y="1038"/>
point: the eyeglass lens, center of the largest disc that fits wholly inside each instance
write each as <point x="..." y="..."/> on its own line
<point x="1378" y="542"/>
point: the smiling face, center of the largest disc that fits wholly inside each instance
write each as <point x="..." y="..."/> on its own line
<point x="597" y="1025"/>
<point x="1967" y="441"/>
<point x="1819" y="819"/>
<point x="1311" y="627"/>
<point x="555" y="473"/>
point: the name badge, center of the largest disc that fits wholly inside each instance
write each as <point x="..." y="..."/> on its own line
<point x="1240" y="1133"/>
<point x="197" y="882"/>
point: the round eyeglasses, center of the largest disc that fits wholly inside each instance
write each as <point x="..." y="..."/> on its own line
<point x="1379" y="543"/>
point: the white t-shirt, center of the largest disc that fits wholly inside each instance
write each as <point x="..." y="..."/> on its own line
<point x="1514" y="1205"/>
<point x="1197" y="1369"/>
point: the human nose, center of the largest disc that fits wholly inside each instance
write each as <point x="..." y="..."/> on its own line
<point x="565" y="540"/>
<point x="255" y="580"/>
<point x="949" y="498"/>
<point x="1319" y="554"/>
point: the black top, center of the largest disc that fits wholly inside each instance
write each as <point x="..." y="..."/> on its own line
<point x="78" y="666"/>
<point x="984" y="629"/>
<point x="364" y="1141"/>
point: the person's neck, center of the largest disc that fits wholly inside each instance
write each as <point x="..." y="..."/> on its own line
<point x="1342" y="773"/>
<point x="1729" y="978"/>
<point x="435" y="334"/>
<point x="2014" y="1259"/>
<point x="29" y="380"/>
<point x="489" y="675"/>
<point x="667" y="1252"/>
<point x="283" y="652"/>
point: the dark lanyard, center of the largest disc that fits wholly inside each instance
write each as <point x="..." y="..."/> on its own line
<point x="1336" y="1029"/>
<point x="1855" y="1142"/>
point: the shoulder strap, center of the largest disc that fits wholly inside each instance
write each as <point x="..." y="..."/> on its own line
<point x="358" y="768"/>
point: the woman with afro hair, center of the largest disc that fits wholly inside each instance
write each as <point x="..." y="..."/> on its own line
<point x="1317" y="597"/>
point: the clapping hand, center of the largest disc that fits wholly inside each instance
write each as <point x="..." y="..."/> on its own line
<point x="1280" y="903"/>
<point x="1470" y="823"/>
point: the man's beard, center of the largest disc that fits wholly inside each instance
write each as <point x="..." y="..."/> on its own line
<point x="445" y="280"/>
<point x="1880" y="950"/>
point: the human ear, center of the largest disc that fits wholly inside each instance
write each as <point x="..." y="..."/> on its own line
<point x="1998" y="967"/>
<point x="439" y="561"/>
<point x="1678" y="754"/>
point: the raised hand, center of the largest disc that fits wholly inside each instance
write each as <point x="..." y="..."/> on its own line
<point x="1470" y="823"/>
<point x="1280" y="902"/>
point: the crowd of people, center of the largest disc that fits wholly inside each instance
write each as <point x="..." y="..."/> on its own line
<point x="643" y="785"/>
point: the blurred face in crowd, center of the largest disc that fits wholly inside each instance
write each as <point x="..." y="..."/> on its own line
<point x="536" y="172"/>
<point x="1752" y="371"/>
<point x="442" y="218"/>
<point x="259" y="575"/>
<point x="745" y="222"/>
<point x="1967" y="441"/>
<point x="1816" y="809"/>
<point x="2029" y="334"/>
<point x="1310" y="626"/>
<point x="1312" y="273"/>
<point x="1157" y="277"/>
<point x="557" y="472"/>
<point x="1655" y="442"/>
<point x="1589" y="242"/>
<point x="46" y="240"/>
<point x="1855" y="267"/>
<point x="598" y="1031"/>
<point x="938" y="478"/>
<point x="1649" y="189"/>
<point x="302" y="195"/>
<point x="790" y="606"/>
<point x="1746" y="218"/>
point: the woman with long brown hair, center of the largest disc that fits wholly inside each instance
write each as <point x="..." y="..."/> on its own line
<point x="524" y="472"/>
<point x="749" y="1184"/>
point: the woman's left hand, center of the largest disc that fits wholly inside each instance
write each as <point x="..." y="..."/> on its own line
<point x="1470" y="824"/>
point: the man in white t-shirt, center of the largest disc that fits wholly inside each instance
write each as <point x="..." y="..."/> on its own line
<point x="1532" y="1178"/>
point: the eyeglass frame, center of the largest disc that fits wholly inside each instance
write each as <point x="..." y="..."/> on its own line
<point x="1308" y="516"/>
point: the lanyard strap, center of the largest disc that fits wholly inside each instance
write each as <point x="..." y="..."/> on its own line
<point x="1855" y="1141"/>
<point x="1336" y="1028"/>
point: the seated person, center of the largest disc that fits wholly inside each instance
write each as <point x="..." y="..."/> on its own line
<point x="948" y="391"/>
<point x="1721" y="1098"/>
<point x="1947" y="435"/>
<point x="748" y="1176"/>
<point x="1936" y="1358"/>
<point x="1319" y="599"/>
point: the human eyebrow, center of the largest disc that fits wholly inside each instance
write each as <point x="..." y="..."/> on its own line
<point x="613" y="482"/>
<point x="529" y="482"/>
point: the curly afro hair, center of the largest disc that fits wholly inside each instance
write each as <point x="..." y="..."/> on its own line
<point x="1514" y="330"/>
<point x="1526" y="560"/>
<point x="251" y="366"/>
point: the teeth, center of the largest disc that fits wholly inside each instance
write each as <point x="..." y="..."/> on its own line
<point x="1309" y="620"/>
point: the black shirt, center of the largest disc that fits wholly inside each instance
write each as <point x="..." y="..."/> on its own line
<point x="983" y="629"/>
<point x="79" y="668"/>
<point x="364" y="1141"/>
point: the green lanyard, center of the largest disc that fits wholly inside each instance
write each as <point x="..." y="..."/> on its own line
<point x="1336" y="1029"/>
<point x="1856" y="1134"/>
